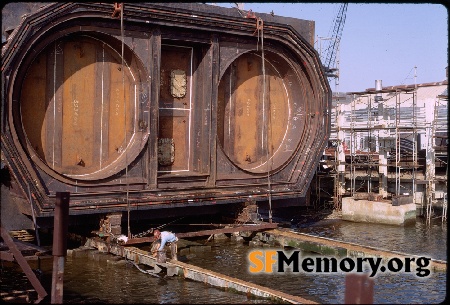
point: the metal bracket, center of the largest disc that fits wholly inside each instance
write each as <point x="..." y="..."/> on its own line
<point x="250" y="14"/>
<point x="117" y="9"/>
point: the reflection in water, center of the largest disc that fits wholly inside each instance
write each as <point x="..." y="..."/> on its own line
<point x="418" y="238"/>
<point x="100" y="278"/>
<point x="231" y="259"/>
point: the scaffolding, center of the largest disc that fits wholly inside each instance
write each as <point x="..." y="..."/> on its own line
<point x="440" y="144"/>
<point x="391" y="134"/>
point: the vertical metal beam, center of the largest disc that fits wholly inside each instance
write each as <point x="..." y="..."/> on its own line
<point x="397" y="143"/>
<point x="340" y="173"/>
<point x="205" y="114"/>
<point x="381" y="142"/>
<point x="36" y="230"/>
<point x="24" y="265"/>
<point x="369" y="143"/>
<point x="60" y="224"/>
<point x="155" y="49"/>
<point x="414" y="117"/>
<point x="430" y="165"/>
<point x="383" y="169"/>
<point x="354" y="144"/>
<point x="214" y="94"/>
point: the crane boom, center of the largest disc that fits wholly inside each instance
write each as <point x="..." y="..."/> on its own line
<point x="333" y="45"/>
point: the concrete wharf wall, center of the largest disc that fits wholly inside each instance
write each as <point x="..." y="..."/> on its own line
<point x="379" y="211"/>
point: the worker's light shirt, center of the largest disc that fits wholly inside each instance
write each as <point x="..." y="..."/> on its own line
<point x="166" y="237"/>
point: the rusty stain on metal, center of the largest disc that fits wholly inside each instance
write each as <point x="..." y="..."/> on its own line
<point x="166" y="151"/>
<point x="240" y="102"/>
<point x="69" y="125"/>
<point x="175" y="111"/>
<point x="72" y="121"/>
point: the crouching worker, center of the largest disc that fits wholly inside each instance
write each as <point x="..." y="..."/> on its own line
<point x="163" y="238"/>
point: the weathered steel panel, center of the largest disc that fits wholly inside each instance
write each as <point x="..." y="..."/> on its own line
<point x="175" y="104"/>
<point x="87" y="106"/>
<point x="74" y="114"/>
<point x="241" y="93"/>
<point x="78" y="110"/>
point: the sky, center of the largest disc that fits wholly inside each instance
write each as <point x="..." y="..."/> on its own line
<point x="380" y="41"/>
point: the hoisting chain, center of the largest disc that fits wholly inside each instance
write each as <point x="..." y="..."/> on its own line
<point x="259" y="29"/>
<point x="120" y="7"/>
<point x="157" y="228"/>
<point x="143" y="233"/>
<point x="260" y="32"/>
<point x="117" y="10"/>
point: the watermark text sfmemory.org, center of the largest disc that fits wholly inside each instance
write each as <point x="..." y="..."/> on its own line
<point x="269" y="261"/>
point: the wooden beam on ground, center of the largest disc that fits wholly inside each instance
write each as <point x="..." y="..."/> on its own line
<point x="257" y="227"/>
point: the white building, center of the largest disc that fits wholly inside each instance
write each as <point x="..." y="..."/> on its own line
<point x="391" y="141"/>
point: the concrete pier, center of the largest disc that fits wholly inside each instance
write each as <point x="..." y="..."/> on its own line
<point x="381" y="211"/>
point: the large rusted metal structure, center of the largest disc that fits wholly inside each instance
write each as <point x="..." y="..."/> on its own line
<point x="143" y="105"/>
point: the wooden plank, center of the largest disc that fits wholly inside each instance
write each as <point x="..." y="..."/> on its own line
<point x="259" y="227"/>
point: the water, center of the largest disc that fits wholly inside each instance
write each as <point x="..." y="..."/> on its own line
<point x="98" y="278"/>
<point x="231" y="259"/>
<point x="417" y="238"/>
<point x="123" y="283"/>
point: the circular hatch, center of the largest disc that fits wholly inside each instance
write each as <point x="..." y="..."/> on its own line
<point x="256" y="119"/>
<point x="79" y="107"/>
